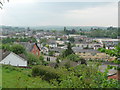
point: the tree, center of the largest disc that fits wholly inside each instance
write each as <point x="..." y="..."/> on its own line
<point x="71" y="39"/>
<point x="32" y="59"/>
<point x="76" y="58"/>
<point x="83" y="61"/>
<point x="113" y="52"/>
<point x="103" y="45"/>
<point x="65" y="29"/>
<point x="68" y="51"/>
<point x="73" y="57"/>
<point x="41" y="58"/>
<point x="51" y="53"/>
<point x="43" y="40"/>
<point x="6" y="47"/>
<point x="47" y="46"/>
<point x="18" y="49"/>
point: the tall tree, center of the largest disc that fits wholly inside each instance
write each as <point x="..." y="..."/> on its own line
<point x="68" y="51"/>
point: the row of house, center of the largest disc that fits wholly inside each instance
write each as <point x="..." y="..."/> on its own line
<point x="91" y="54"/>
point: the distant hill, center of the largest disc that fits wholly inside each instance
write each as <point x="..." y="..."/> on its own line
<point x="85" y="28"/>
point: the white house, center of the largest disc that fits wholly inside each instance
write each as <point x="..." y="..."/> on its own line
<point x="13" y="59"/>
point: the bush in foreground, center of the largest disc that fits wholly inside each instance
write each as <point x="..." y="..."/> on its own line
<point x="47" y="72"/>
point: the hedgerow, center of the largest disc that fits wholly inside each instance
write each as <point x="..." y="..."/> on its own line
<point x="47" y="72"/>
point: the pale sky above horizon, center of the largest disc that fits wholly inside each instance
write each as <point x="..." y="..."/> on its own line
<point x="37" y="13"/>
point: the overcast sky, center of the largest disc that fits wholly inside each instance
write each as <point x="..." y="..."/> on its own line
<point x="37" y="13"/>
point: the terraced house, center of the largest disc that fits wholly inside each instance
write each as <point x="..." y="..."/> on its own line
<point x="90" y="54"/>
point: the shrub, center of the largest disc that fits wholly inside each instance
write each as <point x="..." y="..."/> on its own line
<point x="51" y="53"/>
<point x="73" y="57"/>
<point x="47" y="72"/>
<point x="11" y="68"/>
<point x="32" y="59"/>
<point x="76" y="58"/>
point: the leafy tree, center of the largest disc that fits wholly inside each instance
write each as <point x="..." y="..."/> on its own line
<point x="101" y="49"/>
<point x="43" y="40"/>
<point x="18" y="49"/>
<point x="51" y="53"/>
<point x="73" y="57"/>
<point x="32" y="59"/>
<point x="6" y="47"/>
<point x="47" y="46"/>
<point x="113" y="52"/>
<point x="68" y="51"/>
<point x="71" y="39"/>
<point x="103" y="45"/>
<point x="41" y="58"/>
<point x="83" y="76"/>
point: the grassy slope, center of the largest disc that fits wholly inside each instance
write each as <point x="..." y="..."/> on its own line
<point x="21" y="79"/>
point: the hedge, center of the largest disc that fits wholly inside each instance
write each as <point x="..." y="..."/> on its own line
<point x="47" y="72"/>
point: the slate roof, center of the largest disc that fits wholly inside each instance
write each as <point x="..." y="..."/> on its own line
<point x="28" y="45"/>
<point x="4" y="54"/>
<point x="57" y="49"/>
<point x="79" y="50"/>
<point x="51" y="42"/>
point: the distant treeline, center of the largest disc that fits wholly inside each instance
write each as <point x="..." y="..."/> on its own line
<point x="11" y="40"/>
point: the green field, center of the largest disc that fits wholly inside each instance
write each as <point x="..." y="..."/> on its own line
<point x="13" y="77"/>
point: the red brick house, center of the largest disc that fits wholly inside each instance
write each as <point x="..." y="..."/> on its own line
<point x="35" y="50"/>
<point x="31" y="47"/>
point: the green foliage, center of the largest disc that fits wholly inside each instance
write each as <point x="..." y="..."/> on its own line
<point x="101" y="49"/>
<point x="32" y="59"/>
<point x="47" y="45"/>
<point x="13" y="77"/>
<point x="6" y="47"/>
<point x="68" y="51"/>
<point x="41" y="58"/>
<point x="67" y="64"/>
<point x="51" y="53"/>
<point x="47" y="72"/>
<point x="71" y="39"/>
<point x="113" y="33"/>
<point x="83" y="76"/>
<point x="18" y="49"/>
<point x="11" y="40"/>
<point x="116" y="61"/>
<point x="43" y="40"/>
<point x="113" y="52"/>
<point x="73" y="57"/>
